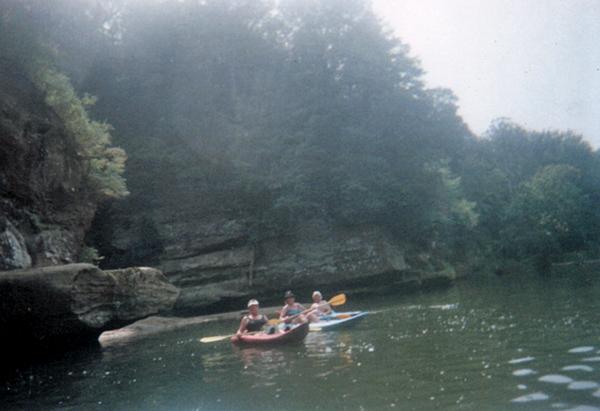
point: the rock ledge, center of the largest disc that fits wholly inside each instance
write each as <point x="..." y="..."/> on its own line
<point x="71" y="305"/>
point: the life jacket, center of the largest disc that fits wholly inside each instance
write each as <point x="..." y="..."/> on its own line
<point x="256" y="325"/>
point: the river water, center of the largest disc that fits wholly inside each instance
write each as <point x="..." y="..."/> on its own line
<point x="492" y="344"/>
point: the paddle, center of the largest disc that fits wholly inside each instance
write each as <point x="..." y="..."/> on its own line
<point x="336" y="316"/>
<point x="223" y="337"/>
<point x="335" y="301"/>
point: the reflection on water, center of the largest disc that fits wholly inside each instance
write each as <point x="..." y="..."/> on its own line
<point x="576" y="388"/>
<point x="493" y="345"/>
<point x="214" y="364"/>
<point x="331" y="351"/>
<point x="264" y="365"/>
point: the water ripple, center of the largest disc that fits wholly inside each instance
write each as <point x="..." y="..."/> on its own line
<point x="556" y="379"/>
<point x="580" y="350"/>
<point x="536" y="396"/>
<point x="520" y="360"/>
<point x="582" y="385"/>
<point x="525" y="371"/>
<point x="578" y="368"/>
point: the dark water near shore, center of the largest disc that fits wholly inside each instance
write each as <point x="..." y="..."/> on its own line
<point x="486" y="345"/>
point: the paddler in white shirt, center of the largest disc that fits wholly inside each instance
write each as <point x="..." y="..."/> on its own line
<point x="320" y="307"/>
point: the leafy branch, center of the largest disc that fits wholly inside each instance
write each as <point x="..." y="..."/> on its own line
<point x="103" y="165"/>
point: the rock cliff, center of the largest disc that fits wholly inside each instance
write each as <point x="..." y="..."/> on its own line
<point x="187" y="223"/>
<point x="44" y="213"/>
<point x="71" y="305"/>
<point x="217" y="268"/>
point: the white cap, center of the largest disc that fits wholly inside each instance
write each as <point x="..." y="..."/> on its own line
<point x="317" y="293"/>
<point x="252" y="302"/>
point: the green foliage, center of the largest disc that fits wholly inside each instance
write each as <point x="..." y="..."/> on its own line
<point x="354" y="127"/>
<point x="103" y="165"/>
<point x="454" y="209"/>
<point x="90" y="255"/>
<point x="450" y="217"/>
<point x="545" y="211"/>
<point x="535" y="193"/>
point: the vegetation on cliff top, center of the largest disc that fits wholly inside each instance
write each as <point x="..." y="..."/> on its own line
<point x="103" y="165"/>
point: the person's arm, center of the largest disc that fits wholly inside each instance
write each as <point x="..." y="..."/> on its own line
<point x="243" y="325"/>
<point x="283" y="314"/>
<point x="325" y="308"/>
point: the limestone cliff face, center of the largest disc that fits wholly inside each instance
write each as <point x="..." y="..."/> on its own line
<point x="44" y="214"/>
<point x="320" y="258"/>
<point x="216" y="268"/>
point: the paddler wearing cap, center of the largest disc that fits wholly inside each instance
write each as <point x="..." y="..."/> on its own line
<point x="292" y="308"/>
<point x="254" y="321"/>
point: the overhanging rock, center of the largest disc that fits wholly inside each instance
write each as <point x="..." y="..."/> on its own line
<point x="71" y="305"/>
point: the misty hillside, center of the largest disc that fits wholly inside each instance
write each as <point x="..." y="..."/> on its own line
<point x="280" y="111"/>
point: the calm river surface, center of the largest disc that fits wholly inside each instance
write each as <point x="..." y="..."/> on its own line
<point x="486" y="345"/>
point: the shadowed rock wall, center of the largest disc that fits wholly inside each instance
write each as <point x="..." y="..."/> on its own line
<point x="44" y="213"/>
<point x="71" y="305"/>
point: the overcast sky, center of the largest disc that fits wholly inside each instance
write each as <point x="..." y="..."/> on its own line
<point x="536" y="62"/>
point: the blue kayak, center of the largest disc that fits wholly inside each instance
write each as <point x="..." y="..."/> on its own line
<point x="339" y="321"/>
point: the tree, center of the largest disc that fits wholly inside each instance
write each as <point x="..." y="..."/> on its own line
<point x="545" y="215"/>
<point x="305" y="107"/>
<point x="535" y="193"/>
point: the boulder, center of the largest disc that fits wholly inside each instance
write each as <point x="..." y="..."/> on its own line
<point x="71" y="305"/>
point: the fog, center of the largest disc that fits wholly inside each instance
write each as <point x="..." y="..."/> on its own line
<point x="535" y="62"/>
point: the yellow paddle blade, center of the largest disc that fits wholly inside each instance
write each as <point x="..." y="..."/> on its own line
<point x="215" y="339"/>
<point x="342" y="316"/>
<point x="316" y="329"/>
<point x="337" y="300"/>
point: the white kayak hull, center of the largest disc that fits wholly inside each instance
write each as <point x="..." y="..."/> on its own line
<point x="339" y="321"/>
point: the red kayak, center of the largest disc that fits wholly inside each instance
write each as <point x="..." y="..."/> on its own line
<point x="294" y="335"/>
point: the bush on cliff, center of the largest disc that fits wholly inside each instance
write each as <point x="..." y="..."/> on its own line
<point x="102" y="165"/>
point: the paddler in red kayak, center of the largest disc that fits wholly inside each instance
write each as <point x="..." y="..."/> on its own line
<point x="292" y="308"/>
<point x="253" y="322"/>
